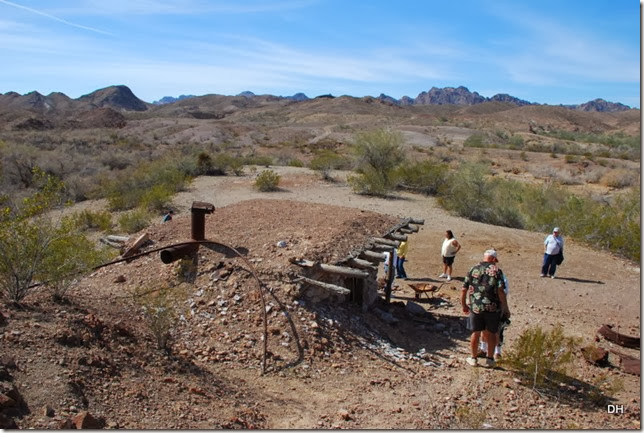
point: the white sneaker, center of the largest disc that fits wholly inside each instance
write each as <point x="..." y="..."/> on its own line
<point x="471" y="361"/>
<point x="449" y="278"/>
<point x="442" y="275"/>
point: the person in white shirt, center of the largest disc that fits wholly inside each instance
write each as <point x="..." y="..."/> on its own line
<point x="448" y="251"/>
<point x="552" y="254"/>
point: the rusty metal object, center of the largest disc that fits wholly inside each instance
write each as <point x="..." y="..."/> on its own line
<point x="595" y="355"/>
<point x="630" y="364"/>
<point x="420" y="288"/>
<point x="172" y="254"/>
<point x="199" y="210"/>
<point x="607" y="332"/>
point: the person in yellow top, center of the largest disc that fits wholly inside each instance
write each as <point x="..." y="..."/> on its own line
<point x="401" y="253"/>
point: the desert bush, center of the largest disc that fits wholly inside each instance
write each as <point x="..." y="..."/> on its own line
<point x="92" y="220"/>
<point x="134" y="221"/>
<point x="33" y="247"/>
<point x="68" y="257"/>
<point x="428" y="177"/>
<point x="157" y="198"/>
<point x="541" y="356"/>
<point x="619" y="178"/>
<point x="475" y="140"/>
<point x="378" y="154"/>
<point x="326" y="161"/>
<point x="160" y="313"/>
<point x="129" y="189"/>
<point x="267" y="181"/>
<point x="469" y="194"/>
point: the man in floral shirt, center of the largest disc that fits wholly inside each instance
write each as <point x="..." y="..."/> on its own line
<point x="483" y="298"/>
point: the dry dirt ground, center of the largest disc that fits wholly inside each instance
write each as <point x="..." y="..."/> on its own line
<point x="93" y="363"/>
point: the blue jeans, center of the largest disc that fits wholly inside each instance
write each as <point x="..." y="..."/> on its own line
<point x="400" y="268"/>
<point x="549" y="264"/>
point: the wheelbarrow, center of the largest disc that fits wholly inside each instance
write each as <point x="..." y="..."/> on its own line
<point x="424" y="288"/>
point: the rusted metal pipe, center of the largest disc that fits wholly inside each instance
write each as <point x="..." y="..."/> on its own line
<point x="172" y="254"/>
<point x="199" y="210"/>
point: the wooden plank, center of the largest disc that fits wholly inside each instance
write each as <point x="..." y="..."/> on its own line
<point x="136" y="245"/>
<point x="373" y="256"/>
<point x="396" y="236"/>
<point x="332" y="269"/>
<point x="417" y="221"/>
<point x="333" y="287"/>
<point x="390" y="242"/>
<point x="359" y="263"/>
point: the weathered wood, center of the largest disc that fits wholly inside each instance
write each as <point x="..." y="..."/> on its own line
<point x="111" y="243"/>
<point x="332" y="269"/>
<point x="115" y="238"/>
<point x="405" y="230"/>
<point x="621" y="339"/>
<point x="359" y="263"/>
<point x="413" y="228"/>
<point x="373" y="256"/>
<point x="136" y="245"/>
<point x="381" y="247"/>
<point x="396" y="236"/>
<point x="417" y="221"/>
<point x="390" y="242"/>
<point x="333" y="287"/>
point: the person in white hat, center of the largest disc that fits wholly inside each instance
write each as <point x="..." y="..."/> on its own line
<point x="552" y="253"/>
<point x="483" y="298"/>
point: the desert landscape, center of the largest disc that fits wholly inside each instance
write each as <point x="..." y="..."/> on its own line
<point x="255" y="347"/>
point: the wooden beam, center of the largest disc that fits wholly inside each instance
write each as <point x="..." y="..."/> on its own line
<point x="406" y="230"/>
<point x="381" y="247"/>
<point x="136" y="245"/>
<point x="413" y="228"/>
<point x="373" y="256"/>
<point x="396" y="236"/>
<point x="332" y="269"/>
<point x="333" y="287"/>
<point x="417" y="221"/>
<point x="390" y="242"/>
<point x="363" y="264"/>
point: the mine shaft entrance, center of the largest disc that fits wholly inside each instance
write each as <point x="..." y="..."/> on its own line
<point x="356" y="285"/>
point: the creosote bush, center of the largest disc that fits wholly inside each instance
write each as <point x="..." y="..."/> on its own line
<point x="161" y="313"/>
<point x="541" y="357"/>
<point x="267" y="181"/>
<point x="378" y="154"/>
<point x="36" y="248"/>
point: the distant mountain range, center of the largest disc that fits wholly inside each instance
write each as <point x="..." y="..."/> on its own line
<point x="116" y="99"/>
<point x="444" y="96"/>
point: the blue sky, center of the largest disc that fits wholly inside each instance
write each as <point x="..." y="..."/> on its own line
<point x="545" y="51"/>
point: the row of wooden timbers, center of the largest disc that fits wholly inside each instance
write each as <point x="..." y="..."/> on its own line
<point x="356" y="276"/>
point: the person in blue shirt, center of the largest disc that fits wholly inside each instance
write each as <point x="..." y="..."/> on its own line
<point x="552" y="254"/>
<point x="168" y="216"/>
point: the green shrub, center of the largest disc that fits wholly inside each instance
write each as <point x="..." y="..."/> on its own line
<point x="378" y="154"/>
<point x="33" y="247"/>
<point x="474" y="140"/>
<point x="428" y="177"/>
<point x="134" y="221"/>
<point x="157" y="198"/>
<point x="326" y="161"/>
<point x="267" y="181"/>
<point x="541" y="357"/>
<point x="93" y="220"/>
<point x="160" y="313"/>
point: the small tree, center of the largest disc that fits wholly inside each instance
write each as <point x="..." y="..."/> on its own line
<point x="378" y="154"/>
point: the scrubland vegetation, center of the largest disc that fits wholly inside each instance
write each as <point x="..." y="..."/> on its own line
<point x="39" y="171"/>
